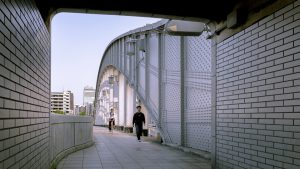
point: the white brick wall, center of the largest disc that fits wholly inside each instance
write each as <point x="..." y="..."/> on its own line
<point x="258" y="112"/>
<point x="24" y="86"/>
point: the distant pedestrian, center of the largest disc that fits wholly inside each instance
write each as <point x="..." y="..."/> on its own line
<point x="111" y="120"/>
<point x="138" y="120"/>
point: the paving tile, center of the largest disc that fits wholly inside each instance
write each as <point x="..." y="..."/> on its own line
<point x="91" y="165"/>
<point x="121" y="151"/>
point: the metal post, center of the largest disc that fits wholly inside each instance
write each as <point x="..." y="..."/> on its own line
<point x="133" y="104"/>
<point x="160" y="88"/>
<point x="147" y="71"/>
<point x="182" y="89"/>
<point x="125" y="103"/>
<point x="136" y="68"/>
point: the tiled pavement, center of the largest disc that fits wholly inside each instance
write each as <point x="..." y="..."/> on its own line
<point x="122" y="151"/>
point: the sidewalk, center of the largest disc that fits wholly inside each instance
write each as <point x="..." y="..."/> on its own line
<point x="122" y="151"/>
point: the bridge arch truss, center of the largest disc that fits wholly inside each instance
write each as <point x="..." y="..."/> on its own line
<point x="170" y="75"/>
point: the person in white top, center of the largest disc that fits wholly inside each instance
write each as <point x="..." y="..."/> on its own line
<point x="111" y="120"/>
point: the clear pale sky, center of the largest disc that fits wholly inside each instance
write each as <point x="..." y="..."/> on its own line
<point x="77" y="44"/>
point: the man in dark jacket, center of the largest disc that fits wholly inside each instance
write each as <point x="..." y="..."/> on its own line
<point x="138" y="120"/>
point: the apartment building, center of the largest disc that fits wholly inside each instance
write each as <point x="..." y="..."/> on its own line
<point x="62" y="101"/>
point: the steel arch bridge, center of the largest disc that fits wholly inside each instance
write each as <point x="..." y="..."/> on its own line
<point x="170" y="76"/>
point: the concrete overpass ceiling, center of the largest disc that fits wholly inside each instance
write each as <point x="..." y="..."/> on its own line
<point x="213" y="10"/>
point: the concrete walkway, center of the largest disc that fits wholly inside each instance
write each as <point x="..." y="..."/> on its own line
<point x="122" y="151"/>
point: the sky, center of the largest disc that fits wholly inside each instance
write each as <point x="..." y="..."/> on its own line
<point x="77" y="45"/>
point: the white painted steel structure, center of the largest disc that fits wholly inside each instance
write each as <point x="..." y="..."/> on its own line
<point x="170" y="75"/>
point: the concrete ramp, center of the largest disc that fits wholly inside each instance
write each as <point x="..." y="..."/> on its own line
<point x="116" y="150"/>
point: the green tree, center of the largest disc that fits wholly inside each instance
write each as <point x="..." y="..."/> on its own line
<point x="82" y="113"/>
<point x="58" y="112"/>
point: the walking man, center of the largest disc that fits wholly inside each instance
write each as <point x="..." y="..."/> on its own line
<point x="111" y="120"/>
<point x="138" y="120"/>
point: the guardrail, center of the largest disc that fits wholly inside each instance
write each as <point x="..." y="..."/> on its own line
<point x="68" y="134"/>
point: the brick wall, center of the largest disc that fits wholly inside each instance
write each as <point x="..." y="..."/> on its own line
<point x="258" y="94"/>
<point x="24" y="86"/>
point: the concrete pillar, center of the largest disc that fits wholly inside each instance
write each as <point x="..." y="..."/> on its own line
<point x="147" y="116"/>
<point x="122" y="100"/>
<point x="130" y="98"/>
<point x="99" y="115"/>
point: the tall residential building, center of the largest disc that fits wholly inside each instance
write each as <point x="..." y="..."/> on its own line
<point x="88" y="99"/>
<point x="78" y="109"/>
<point x="63" y="101"/>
